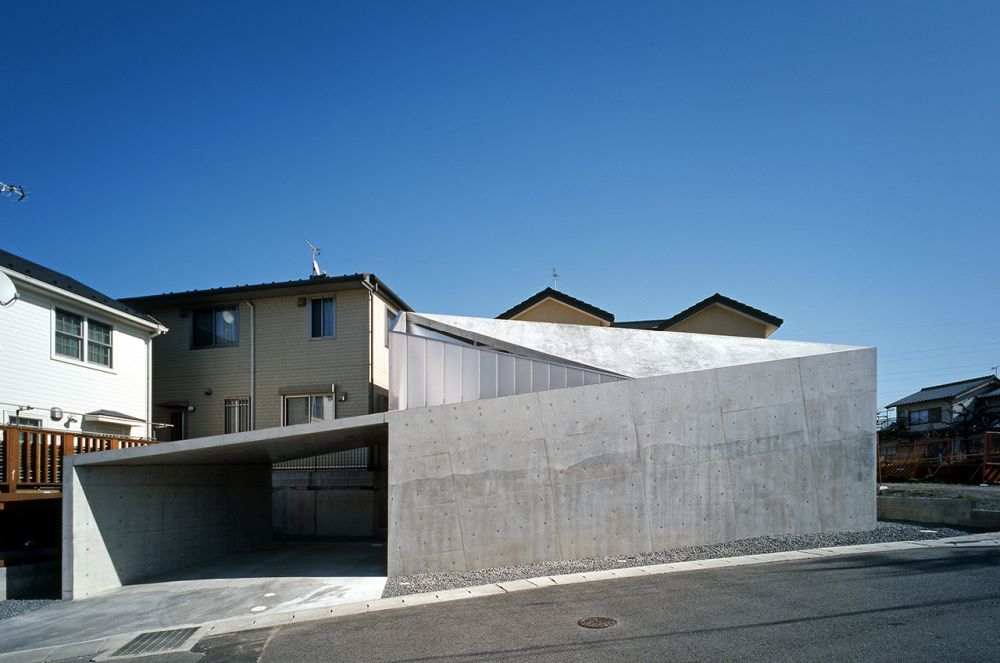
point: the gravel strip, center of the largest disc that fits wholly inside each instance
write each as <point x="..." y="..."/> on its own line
<point x="885" y="532"/>
<point x="15" y="607"/>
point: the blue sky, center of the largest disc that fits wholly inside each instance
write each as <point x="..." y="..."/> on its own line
<point x="835" y="164"/>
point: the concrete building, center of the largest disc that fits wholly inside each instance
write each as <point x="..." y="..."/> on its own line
<point x="716" y="314"/>
<point x="512" y="442"/>
<point x="68" y="350"/>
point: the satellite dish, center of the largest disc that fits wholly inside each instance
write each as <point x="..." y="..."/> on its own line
<point x="8" y="291"/>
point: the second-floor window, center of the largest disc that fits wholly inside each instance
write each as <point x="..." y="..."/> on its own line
<point x="306" y="408"/>
<point x="80" y="338"/>
<point x="215" y="327"/>
<point x="323" y="318"/>
<point x="929" y="416"/>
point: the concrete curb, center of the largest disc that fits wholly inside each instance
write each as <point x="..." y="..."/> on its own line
<point x="99" y="648"/>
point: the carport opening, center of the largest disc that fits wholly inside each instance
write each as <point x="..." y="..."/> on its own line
<point x="339" y="497"/>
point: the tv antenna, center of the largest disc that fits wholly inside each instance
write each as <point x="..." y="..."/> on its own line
<point x="12" y="191"/>
<point x="315" y="265"/>
<point x="555" y="278"/>
<point x="994" y="369"/>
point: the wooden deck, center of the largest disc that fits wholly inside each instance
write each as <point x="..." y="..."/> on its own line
<point x="955" y="459"/>
<point x="31" y="459"/>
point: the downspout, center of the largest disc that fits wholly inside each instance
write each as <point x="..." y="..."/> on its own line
<point x="149" y="381"/>
<point x="253" y="367"/>
<point x="371" y="345"/>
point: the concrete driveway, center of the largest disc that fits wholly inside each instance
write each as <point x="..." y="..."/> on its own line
<point x="281" y="577"/>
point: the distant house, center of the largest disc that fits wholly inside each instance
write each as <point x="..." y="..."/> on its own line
<point x="272" y="354"/>
<point x="949" y="431"/>
<point x="713" y="315"/>
<point x="72" y="358"/>
<point x="942" y="407"/>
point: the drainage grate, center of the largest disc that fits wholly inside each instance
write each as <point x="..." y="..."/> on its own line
<point x="597" y="622"/>
<point x="156" y="641"/>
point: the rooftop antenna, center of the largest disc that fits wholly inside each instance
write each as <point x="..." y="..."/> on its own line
<point x="12" y="191"/>
<point x="555" y="278"/>
<point x="994" y="369"/>
<point x="315" y="252"/>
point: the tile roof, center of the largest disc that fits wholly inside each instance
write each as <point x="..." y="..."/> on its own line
<point x="559" y="297"/>
<point x="170" y="298"/>
<point x="700" y="306"/>
<point x="51" y="277"/>
<point x="948" y="390"/>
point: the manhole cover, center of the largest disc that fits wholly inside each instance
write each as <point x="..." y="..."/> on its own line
<point x="597" y="622"/>
<point x="157" y="641"/>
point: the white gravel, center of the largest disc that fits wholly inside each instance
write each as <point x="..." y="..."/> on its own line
<point x="884" y="533"/>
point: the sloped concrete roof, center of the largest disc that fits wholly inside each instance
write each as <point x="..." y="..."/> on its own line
<point x="635" y="353"/>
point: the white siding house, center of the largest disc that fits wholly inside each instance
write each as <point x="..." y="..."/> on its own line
<point x="66" y="346"/>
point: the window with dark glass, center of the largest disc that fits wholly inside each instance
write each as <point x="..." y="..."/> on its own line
<point x="98" y="343"/>
<point x="214" y="327"/>
<point x="390" y="317"/>
<point x="323" y="318"/>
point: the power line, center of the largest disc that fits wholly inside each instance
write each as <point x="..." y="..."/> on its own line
<point x="950" y="347"/>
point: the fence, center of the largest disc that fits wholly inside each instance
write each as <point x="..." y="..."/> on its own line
<point x="352" y="459"/>
<point x="31" y="459"/>
<point x="969" y="460"/>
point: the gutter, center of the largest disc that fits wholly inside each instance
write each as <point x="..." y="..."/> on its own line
<point x="253" y="365"/>
<point x="72" y="296"/>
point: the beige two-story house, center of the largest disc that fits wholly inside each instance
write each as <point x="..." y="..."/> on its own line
<point x="271" y="354"/>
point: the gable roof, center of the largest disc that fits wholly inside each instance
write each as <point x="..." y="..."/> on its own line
<point x="947" y="390"/>
<point x="149" y="302"/>
<point x="561" y="297"/>
<point x="59" y="280"/>
<point x="717" y="298"/>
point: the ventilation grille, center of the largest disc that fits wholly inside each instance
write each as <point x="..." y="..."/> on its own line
<point x="156" y="641"/>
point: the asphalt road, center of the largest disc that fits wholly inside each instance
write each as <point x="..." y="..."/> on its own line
<point x="934" y="604"/>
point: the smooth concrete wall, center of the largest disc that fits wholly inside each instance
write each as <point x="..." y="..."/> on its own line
<point x="124" y="524"/>
<point x="325" y="503"/>
<point x="938" y="511"/>
<point x="785" y="446"/>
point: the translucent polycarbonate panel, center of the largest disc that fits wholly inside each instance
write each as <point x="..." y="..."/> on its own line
<point x="487" y="375"/>
<point x="574" y="377"/>
<point x="397" y="371"/>
<point x="505" y="375"/>
<point x="522" y="375"/>
<point x="539" y="376"/>
<point x="557" y="377"/>
<point x="434" y="372"/>
<point x="415" y="373"/>
<point x="452" y="373"/>
<point x="589" y="377"/>
<point x="470" y="374"/>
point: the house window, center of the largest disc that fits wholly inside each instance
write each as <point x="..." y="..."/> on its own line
<point x="71" y="329"/>
<point x="307" y="408"/>
<point x="178" y="425"/>
<point x="928" y="416"/>
<point x="24" y="421"/>
<point x="98" y="343"/>
<point x="237" y="415"/>
<point x="215" y="327"/>
<point x="389" y="318"/>
<point x="323" y="318"/>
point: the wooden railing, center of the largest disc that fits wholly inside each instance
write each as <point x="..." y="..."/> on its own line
<point x="975" y="460"/>
<point x="31" y="459"/>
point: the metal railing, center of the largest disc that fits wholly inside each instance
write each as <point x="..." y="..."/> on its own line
<point x="352" y="459"/>
<point x="31" y="459"/>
